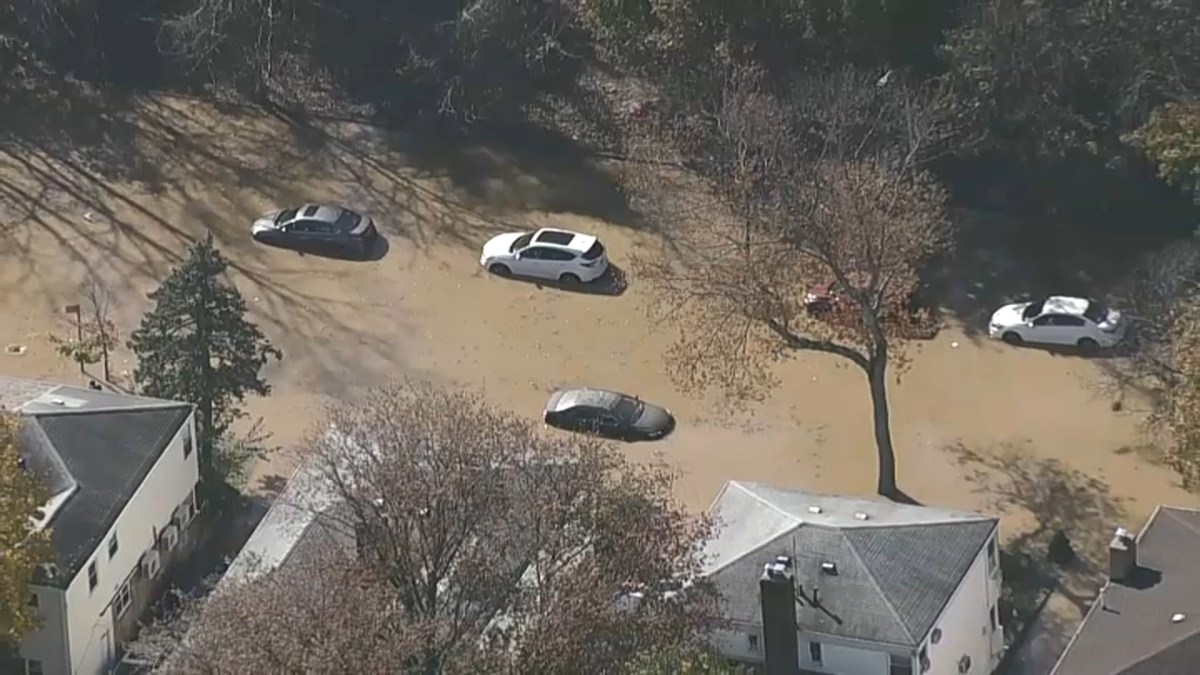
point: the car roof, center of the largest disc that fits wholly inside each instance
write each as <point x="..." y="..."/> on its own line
<point x="1063" y="304"/>
<point x="593" y="398"/>
<point x="322" y="212"/>
<point x="564" y="239"/>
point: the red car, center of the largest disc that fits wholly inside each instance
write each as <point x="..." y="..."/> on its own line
<point x="828" y="298"/>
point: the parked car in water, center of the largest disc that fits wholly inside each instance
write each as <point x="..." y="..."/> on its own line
<point x="317" y="227"/>
<point x="1059" y="320"/>
<point x="559" y="255"/>
<point x="607" y="413"/>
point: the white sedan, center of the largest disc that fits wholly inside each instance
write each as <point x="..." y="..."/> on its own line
<point x="1058" y="320"/>
<point x="569" y="257"/>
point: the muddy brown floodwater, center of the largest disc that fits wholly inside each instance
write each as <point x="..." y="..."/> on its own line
<point x="1040" y="443"/>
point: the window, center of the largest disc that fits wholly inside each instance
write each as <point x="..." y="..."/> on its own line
<point x="899" y="665"/>
<point x="34" y="667"/>
<point x="936" y="636"/>
<point x="594" y="252"/>
<point x="348" y="220"/>
<point x="311" y="210"/>
<point x="112" y="546"/>
<point x="93" y="578"/>
<point x="521" y="242"/>
<point x="1045" y="320"/>
<point x="992" y="566"/>
<point x="923" y="659"/>
<point x="964" y="664"/>
<point x="533" y="253"/>
<point x="285" y="215"/>
<point x="1032" y="310"/>
<point x="188" y="445"/>
<point x="753" y="642"/>
<point x="994" y="616"/>
<point x="1096" y="312"/>
<point x="814" y="651"/>
<point x="555" y="254"/>
<point x="556" y="237"/>
<point x="1072" y="321"/>
<point x="122" y="600"/>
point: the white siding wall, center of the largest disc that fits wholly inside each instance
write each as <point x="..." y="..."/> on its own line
<point x="734" y="643"/>
<point x="90" y="625"/>
<point x="842" y="657"/>
<point x="965" y="624"/>
<point x="48" y="643"/>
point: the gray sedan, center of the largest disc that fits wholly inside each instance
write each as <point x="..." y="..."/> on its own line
<point x="607" y="413"/>
<point x="317" y="227"/>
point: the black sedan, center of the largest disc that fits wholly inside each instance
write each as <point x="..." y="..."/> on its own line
<point x="317" y="227"/>
<point x="607" y="413"/>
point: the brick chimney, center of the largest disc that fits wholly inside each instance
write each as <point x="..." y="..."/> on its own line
<point x="777" y="589"/>
<point x="1122" y="556"/>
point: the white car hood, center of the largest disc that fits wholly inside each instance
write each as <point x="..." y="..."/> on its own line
<point x="265" y="222"/>
<point x="1009" y="315"/>
<point x="499" y="244"/>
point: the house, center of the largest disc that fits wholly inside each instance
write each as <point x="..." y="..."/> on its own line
<point x="1146" y="619"/>
<point x="827" y="584"/>
<point x="123" y="475"/>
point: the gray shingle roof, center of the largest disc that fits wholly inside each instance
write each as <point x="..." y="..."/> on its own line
<point x="109" y="453"/>
<point x="896" y="565"/>
<point x="1128" y="630"/>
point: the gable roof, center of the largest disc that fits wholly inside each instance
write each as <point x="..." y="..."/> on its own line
<point x="896" y="565"/>
<point x="1129" y="628"/>
<point x="93" y="449"/>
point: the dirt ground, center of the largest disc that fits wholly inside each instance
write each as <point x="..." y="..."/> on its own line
<point x="118" y="193"/>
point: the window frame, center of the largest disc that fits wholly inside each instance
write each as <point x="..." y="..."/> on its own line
<point x="189" y="443"/>
<point x="30" y="669"/>
<point x="120" y="608"/>
<point x="93" y="576"/>
<point x="114" y="545"/>
<point x="900" y="665"/>
<point x="815" y="652"/>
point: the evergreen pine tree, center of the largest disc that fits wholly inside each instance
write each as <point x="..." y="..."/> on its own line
<point x="197" y="346"/>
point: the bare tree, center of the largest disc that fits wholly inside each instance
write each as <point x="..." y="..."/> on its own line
<point x="96" y="335"/>
<point x="478" y="544"/>
<point x="1156" y="296"/>
<point x="106" y="337"/>
<point x="823" y="187"/>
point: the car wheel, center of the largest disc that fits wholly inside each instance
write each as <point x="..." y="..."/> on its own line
<point x="1012" y="338"/>
<point x="569" y="278"/>
<point x="500" y="270"/>
<point x="1088" y="344"/>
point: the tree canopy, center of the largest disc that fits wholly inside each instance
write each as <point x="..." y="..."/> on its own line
<point x="462" y="539"/>
<point x="197" y="345"/>
<point x="22" y="548"/>
<point x="822" y="189"/>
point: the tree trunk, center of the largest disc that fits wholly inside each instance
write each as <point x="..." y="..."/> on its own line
<point x="877" y="377"/>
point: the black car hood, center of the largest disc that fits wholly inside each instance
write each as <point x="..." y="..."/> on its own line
<point x="654" y="419"/>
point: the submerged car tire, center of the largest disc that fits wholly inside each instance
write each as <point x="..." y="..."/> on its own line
<point x="1088" y="345"/>
<point x="500" y="270"/>
<point x="1012" y="338"/>
<point x="569" y="278"/>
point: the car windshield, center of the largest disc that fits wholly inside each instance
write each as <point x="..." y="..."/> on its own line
<point x="594" y="252"/>
<point x="348" y="220"/>
<point x="628" y="409"/>
<point x="1096" y="312"/>
<point x="521" y="242"/>
<point x="285" y="215"/>
<point x="1034" y="309"/>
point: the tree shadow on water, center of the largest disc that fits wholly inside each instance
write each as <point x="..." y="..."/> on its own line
<point x="1058" y="497"/>
<point x="1068" y="518"/>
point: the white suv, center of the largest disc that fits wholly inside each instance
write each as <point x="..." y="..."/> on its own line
<point x="1058" y="320"/>
<point x="560" y="255"/>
